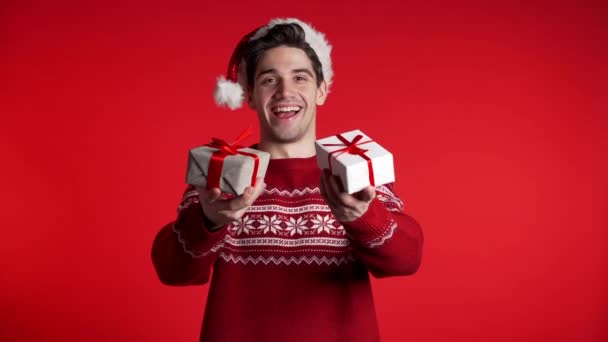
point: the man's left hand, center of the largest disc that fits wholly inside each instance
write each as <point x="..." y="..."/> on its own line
<point x="345" y="207"/>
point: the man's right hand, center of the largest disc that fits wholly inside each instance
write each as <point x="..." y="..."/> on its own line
<point x="224" y="211"/>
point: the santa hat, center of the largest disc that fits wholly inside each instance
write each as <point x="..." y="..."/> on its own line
<point x="229" y="90"/>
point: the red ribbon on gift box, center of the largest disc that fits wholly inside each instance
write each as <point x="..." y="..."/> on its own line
<point x="352" y="147"/>
<point x="224" y="150"/>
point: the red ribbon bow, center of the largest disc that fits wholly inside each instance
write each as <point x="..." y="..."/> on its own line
<point x="352" y="147"/>
<point x="224" y="150"/>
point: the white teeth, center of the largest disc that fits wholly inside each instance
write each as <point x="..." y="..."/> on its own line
<point x="285" y="109"/>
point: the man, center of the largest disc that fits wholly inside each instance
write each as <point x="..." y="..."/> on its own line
<point x="292" y="255"/>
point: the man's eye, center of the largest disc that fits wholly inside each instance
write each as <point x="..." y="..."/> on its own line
<point x="268" y="81"/>
<point x="300" y="78"/>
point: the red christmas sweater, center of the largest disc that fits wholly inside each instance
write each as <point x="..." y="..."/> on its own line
<point x="288" y="270"/>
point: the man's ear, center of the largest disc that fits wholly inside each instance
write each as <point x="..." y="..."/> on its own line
<point x="321" y="93"/>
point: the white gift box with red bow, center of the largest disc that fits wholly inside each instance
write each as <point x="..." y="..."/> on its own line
<point x="230" y="167"/>
<point x="356" y="159"/>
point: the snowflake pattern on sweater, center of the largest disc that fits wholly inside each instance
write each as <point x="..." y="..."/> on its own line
<point x="289" y="227"/>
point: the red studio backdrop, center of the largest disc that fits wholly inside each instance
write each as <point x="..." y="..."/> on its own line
<point x="496" y="113"/>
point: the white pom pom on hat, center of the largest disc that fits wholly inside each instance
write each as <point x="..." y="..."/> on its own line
<point x="228" y="93"/>
<point x="229" y="90"/>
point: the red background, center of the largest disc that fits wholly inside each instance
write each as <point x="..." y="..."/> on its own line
<point x="497" y="116"/>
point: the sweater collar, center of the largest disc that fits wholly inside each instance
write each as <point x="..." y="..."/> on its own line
<point x="291" y="163"/>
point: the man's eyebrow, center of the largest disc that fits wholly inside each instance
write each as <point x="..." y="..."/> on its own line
<point x="306" y="71"/>
<point x="264" y="72"/>
<point x="294" y="71"/>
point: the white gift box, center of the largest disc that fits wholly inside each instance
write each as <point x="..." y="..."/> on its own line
<point x="236" y="173"/>
<point x="351" y="164"/>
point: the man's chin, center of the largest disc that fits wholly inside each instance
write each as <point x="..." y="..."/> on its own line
<point x="287" y="140"/>
<point x="287" y="137"/>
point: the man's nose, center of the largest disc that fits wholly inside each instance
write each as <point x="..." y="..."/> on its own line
<point x="284" y="89"/>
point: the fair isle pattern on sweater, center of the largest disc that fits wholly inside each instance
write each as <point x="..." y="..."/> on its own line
<point x="288" y="228"/>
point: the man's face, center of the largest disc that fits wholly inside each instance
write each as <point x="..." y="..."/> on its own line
<point x="285" y="95"/>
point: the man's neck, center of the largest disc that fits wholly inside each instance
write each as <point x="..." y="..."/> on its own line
<point x="282" y="150"/>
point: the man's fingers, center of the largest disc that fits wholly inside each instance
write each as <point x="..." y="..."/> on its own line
<point x="342" y="198"/>
<point x="371" y="193"/>
<point x="244" y="200"/>
<point x="259" y="187"/>
<point x="208" y="195"/>
<point x="322" y="187"/>
<point x="330" y="196"/>
<point x="367" y="194"/>
<point x="251" y="193"/>
<point x="212" y="195"/>
<point x="228" y="210"/>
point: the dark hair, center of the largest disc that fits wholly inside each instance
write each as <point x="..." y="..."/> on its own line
<point x="291" y="35"/>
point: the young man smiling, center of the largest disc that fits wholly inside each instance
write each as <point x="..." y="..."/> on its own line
<point x="292" y="255"/>
<point x="285" y="95"/>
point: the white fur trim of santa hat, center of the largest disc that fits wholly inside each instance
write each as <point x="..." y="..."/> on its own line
<point x="229" y="91"/>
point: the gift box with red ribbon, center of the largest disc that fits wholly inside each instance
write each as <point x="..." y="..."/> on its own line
<point x="356" y="159"/>
<point x="230" y="167"/>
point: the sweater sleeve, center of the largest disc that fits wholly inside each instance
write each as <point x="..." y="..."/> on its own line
<point x="386" y="239"/>
<point x="184" y="250"/>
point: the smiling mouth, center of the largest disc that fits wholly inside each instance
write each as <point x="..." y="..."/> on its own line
<point x="286" y="112"/>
